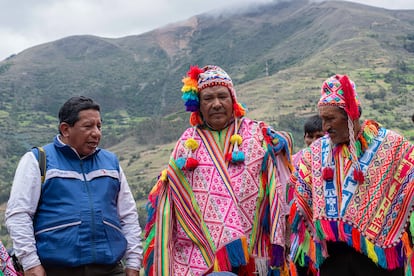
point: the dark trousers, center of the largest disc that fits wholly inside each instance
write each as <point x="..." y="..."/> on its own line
<point x="303" y="271"/>
<point x="87" y="270"/>
<point x="345" y="261"/>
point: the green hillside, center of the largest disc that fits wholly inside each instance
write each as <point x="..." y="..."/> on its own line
<point x="277" y="54"/>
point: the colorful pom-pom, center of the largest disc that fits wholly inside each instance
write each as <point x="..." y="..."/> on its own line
<point x="237" y="157"/>
<point x="191" y="144"/>
<point x="194" y="72"/>
<point x="189" y="85"/>
<point x="190" y="89"/>
<point x="359" y="176"/>
<point x="327" y="173"/>
<point x="238" y="110"/>
<point x="228" y="156"/>
<point x="192" y="106"/>
<point x="180" y="162"/>
<point x="195" y="119"/>
<point x="350" y="97"/>
<point x="236" y="139"/>
<point x="191" y="163"/>
<point x="190" y="96"/>
<point x="163" y="176"/>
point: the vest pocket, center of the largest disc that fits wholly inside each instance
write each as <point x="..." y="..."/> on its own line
<point x="116" y="240"/>
<point x="59" y="245"/>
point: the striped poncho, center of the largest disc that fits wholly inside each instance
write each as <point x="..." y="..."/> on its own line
<point x="221" y="216"/>
<point x="371" y="217"/>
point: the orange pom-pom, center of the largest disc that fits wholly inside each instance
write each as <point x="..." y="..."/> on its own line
<point x="238" y="110"/>
<point x="189" y="85"/>
<point x="195" y="119"/>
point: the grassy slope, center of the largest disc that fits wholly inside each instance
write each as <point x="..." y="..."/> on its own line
<point x="366" y="43"/>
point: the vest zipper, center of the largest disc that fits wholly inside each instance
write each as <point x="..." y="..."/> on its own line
<point x="93" y="247"/>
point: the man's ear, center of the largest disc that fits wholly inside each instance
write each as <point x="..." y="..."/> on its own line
<point x="64" y="129"/>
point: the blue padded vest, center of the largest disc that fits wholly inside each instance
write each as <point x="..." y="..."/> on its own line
<point x="76" y="221"/>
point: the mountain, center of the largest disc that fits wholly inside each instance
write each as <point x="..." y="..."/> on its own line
<point x="278" y="54"/>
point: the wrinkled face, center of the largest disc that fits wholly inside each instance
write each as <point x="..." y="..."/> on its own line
<point x="216" y="106"/>
<point x="84" y="136"/>
<point x="335" y="123"/>
<point x="312" y="136"/>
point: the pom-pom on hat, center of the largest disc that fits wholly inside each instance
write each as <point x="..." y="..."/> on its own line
<point x="199" y="78"/>
<point x="196" y="80"/>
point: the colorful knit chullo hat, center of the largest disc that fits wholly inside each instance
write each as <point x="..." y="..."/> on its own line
<point x="196" y="80"/>
<point x="199" y="78"/>
<point x="340" y="91"/>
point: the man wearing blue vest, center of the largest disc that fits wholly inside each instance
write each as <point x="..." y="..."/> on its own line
<point x="82" y="220"/>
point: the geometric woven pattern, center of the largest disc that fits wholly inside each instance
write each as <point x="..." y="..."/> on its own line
<point x="376" y="211"/>
<point x="228" y="210"/>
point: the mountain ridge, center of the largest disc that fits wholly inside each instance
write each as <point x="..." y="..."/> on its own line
<point x="277" y="54"/>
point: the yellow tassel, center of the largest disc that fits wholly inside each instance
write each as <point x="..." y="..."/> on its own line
<point x="236" y="138"/>
<point x="163" y="176"/>
<point x="216" y="266"/>
<point x="245" y="249"/>
<point x="371" y="251"/>
<point x="284" y="271"/>
<point x="345" y="151"/>
<point x="191" y="144"/>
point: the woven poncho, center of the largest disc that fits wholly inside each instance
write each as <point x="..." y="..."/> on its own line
<point x="371" y="216"/>
<point x="221" y="215"/>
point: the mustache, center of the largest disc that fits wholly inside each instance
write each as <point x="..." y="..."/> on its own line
<point x="217" y="112"/>
<point x="330" y="131"/>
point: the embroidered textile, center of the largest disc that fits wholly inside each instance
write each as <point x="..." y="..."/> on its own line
<point x="371" y="217"/>
<point x="6" y="263"/>
<point x="220" y="215"/>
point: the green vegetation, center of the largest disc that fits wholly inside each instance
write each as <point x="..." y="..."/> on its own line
<point x="277" y="54"/>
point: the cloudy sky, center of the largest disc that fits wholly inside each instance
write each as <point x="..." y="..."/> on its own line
<point x="27" y="23"/>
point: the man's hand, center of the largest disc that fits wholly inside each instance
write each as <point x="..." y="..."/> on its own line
<point x="131" y="272"/>
<point x="35" y="271"/>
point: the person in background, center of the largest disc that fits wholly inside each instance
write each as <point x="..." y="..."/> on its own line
<point x="219" y="206"/>
<point x="312" y="130"/>
<point x="353" y="193"/>
<point x="82" y="220"/>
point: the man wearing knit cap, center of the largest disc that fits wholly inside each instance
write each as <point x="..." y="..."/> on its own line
<point x="353" y="196"/>
<point x="220" y="204"/>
